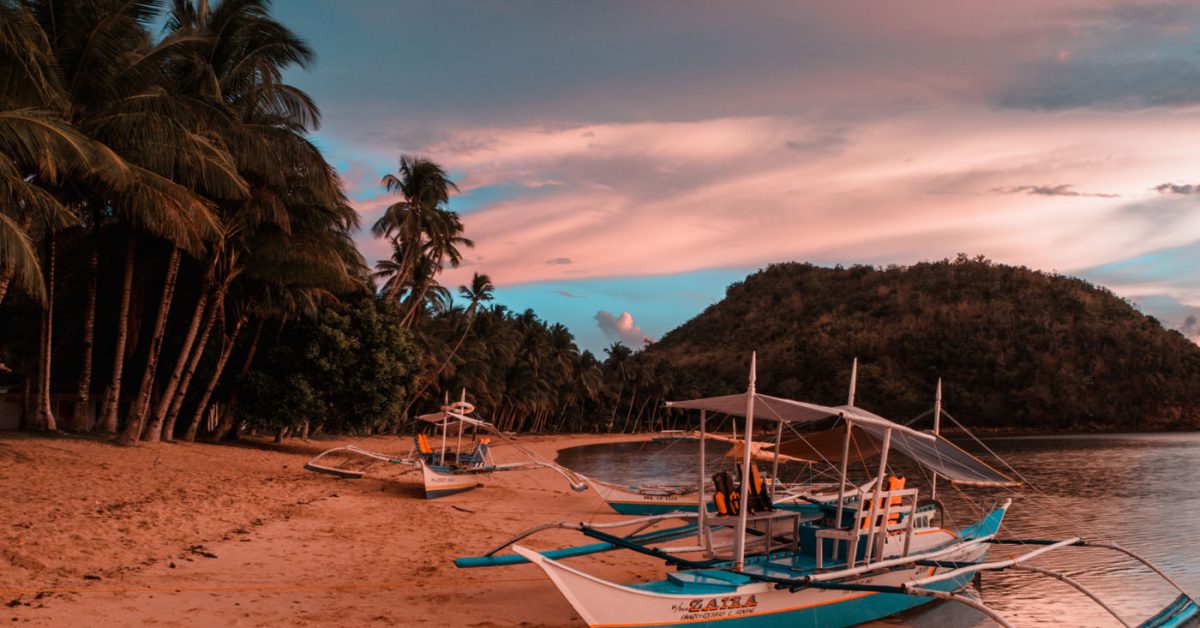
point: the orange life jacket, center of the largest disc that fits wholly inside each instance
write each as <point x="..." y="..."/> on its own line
<point x="893" y="483"/>
<point x="725" y="494"/>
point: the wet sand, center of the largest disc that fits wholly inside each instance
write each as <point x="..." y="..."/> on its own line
<point x="241" y="535"/>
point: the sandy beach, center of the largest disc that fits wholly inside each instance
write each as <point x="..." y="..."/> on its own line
<point x="241" y="535"/>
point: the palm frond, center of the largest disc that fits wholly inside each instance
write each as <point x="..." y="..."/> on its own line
<point x="17" y="253"/>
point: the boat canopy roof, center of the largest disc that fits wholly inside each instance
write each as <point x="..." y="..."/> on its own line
<point x="940" y="455"/>
<point x="768" y="408"/>
<point x="928" y="450"/>
<point x="947" y="459"/>
<point x="452" y="419"/>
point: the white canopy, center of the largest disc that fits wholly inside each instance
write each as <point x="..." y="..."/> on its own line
<point x="450" y="419"/>
<point x="768" y="408"/>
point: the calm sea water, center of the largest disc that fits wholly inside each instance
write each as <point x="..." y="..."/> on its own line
<point x="1141" y="491"/>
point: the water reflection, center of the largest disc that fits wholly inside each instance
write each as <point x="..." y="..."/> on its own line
<point x="1141" y="491"/>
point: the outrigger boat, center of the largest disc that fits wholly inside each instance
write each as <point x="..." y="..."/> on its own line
<point x="443" y="471"/>
<point x="859" y="559"/>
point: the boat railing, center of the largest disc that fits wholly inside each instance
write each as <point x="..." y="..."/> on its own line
<point x="879" y="516"/>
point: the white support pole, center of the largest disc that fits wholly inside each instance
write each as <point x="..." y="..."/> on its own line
<point x="703" y="505"/>
<point x="740" y="535"/>
<point x="853" y="382"/>
<point x="442" y="457"/>
<point x="883" y="459"/>
<point x="837" y="522"/>
<point x="458" y="448"/>
<point x="937" y="428"/>
<point x="775" y="462"/>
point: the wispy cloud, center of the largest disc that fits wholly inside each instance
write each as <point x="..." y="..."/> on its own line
<point x="569" y="294"/>
<point x="1177" y="188"/>
<point x="1050" y="190"/>
<point x="660" y="198"/>
<point x="559" y="261"/>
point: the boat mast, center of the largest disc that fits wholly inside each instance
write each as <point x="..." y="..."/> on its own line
<point x="740" y="534"/>
<point x="937" y="427"/>
<point x="775" y="462"/>
<point x="846" y="446"/>
<point x="853" y="382"/>
<point x="461" y="407"/>
<point x="703" y="498"/>
<point x="445" y="424"/>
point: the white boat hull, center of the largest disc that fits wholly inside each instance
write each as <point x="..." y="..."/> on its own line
<point x="440" y="482"/>
<point x="603" y="603"/>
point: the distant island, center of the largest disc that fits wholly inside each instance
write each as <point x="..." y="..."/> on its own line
<point x="1016" y="348"/>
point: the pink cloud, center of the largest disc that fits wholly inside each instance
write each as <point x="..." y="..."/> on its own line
<point x="733" y="192"/>
<point x="621" y="328"/>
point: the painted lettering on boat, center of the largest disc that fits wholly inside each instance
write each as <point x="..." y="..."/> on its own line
<point x="708" y="608"/>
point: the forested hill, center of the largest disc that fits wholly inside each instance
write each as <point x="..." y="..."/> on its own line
<point x="1014" y="347"/>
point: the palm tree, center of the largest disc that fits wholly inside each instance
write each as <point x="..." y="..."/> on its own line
<point x="479" y="291"/>
<point x="115" y="91"/>
<point x="424" y="235"/>
<point x="238" y="69"/>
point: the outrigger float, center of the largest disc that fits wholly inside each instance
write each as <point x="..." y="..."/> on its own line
<point x="857" y="559"/>
<point x="444" y="471"/>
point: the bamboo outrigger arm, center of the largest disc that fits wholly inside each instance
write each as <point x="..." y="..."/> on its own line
<point x="1079" y="587"/>
<point x="564" y="525"/>
<point x="967" y="601"/>
<point x="918" y="586"/>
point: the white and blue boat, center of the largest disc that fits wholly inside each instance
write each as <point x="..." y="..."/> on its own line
<point x="856" y="558"/>
<point x="444" y="470"/>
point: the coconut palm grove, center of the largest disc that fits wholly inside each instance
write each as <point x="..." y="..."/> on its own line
<point x="177" y="254"/>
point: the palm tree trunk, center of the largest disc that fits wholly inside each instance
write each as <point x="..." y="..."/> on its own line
<point x="45" y="412"/>
<point x="418" y="299"/>
<point x="642" y="411"/>
<point x="632" y="400"/>
<point x="185" y="381"/>
<point x="141" y="403"/>
<point x="612" y="418"/>
<point x="190" y="436"/>
<point x="82" y="422"/>
<point x="438" y="372"/>
<point x="112" y="396"/>
<point x="227" y="413"/>
<point x="166" y="403"/>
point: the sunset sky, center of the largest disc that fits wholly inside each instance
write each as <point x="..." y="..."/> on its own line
<point x="622" y="162"/>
